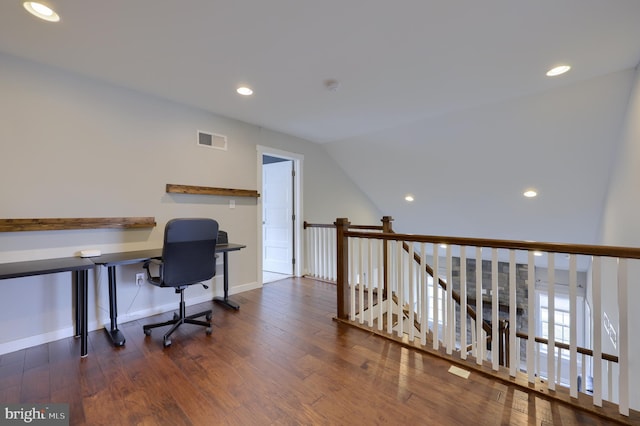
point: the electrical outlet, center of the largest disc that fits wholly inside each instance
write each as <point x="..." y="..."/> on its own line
<point x="140" y="278"/>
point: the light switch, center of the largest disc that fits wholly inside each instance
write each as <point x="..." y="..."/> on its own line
<point x="232" y="204"/>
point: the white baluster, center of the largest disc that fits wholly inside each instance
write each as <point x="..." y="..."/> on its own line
<point x="551" y="309"/>
<point x="463" y="302"/>
<point x="424" y="300"/>
<point x="609" y="381"/>
<point x="334" y="258"/>
<point x="450" y="326"/>
<point x="584" y="373"/>
<point x="390" y="274"/>
<point x="518" y="352"/>
<point x="536" y="368"/>
<point x="596" y="280"/>
<point x="495" y="310"/>
<point x="352" y="279"/>
<point x="531" y="372"/>
<point x="514" y="351"/>
<point x="573" y="331"/>
<point x="400" y="288"/>
<point x="411" y="273"/>
<point x="323" y="253"/>
<point x="623" y="338"/>
<point x="559" y="368"/>
<point x="434" y="295"/>
<point x="329" y="255"/>
<point x="380" y="263"/>
<point x="480" y="344"/>
<point x="308" y="241"/>
<point x="370" y="277"/>
<point x="361" y="280"/>
<point x="314" y="252"/>
<point x="474" y="340"/>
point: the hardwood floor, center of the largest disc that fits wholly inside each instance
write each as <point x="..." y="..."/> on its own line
<point x="280" y="359"/>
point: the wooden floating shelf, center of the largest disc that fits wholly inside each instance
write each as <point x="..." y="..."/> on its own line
<point x="207" y="190"/>
<point x="56" y="224"/>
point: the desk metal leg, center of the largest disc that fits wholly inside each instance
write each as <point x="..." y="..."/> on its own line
<point x="225" y="300"/>
<point x="81" y="279"/>
<point x="75" y="279"/>
<point x="116" y="336"/>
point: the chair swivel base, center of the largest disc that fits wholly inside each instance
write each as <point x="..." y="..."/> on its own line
<point x="178" y="320"/>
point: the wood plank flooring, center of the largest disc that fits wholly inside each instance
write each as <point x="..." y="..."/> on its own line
<point x="279" y="360"/>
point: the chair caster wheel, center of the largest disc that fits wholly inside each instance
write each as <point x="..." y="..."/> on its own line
<point x="208" y="317"/>
<point x="147" y="332"/>
<point x="209" y="331"/>
<point x="166" y="343"/>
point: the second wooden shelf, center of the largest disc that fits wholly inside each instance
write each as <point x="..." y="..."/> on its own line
<point x="208" y="190"/>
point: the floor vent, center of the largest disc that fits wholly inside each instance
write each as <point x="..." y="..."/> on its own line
<point x="212" y="140"/>
<point x="459" y="372"/>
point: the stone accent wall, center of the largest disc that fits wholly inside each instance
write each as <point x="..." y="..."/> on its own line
<point x="522" y="299"/>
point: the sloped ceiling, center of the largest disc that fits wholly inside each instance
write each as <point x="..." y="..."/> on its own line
<point x="468" y="170"/>
<point x="446" y="100"/>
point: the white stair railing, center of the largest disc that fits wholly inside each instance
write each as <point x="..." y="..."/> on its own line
<point x="554" y="336"/>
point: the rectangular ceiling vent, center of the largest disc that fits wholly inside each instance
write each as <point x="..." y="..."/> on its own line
<point x="212" y="140"/>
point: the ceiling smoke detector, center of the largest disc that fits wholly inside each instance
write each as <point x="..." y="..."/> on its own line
<point x="332" y="85"/>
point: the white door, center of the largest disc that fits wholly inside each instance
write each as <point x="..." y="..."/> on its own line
<point x="277" y="227"/>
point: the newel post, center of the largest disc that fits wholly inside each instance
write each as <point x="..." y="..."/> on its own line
<point x="342" y="266"/>
<point x="386" y="224"/>
<point x="386" y="229"/>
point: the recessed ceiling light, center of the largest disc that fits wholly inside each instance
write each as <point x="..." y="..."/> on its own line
<point x="409" y="198"/>
<point x="558" y="70"/>
<point x="41" y="11"/>
<point x="530" y="193"/>
<point x="244" y="91"/>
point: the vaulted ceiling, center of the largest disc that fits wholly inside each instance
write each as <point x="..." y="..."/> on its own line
<point x="446" y="100"/>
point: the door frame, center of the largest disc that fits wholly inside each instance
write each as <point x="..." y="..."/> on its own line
<point x="297" y="206"/>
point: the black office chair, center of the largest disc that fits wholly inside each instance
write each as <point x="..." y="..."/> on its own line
<point x="188" y="257"/>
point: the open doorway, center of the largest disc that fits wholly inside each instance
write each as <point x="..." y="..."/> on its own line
<point x="279" y="174"/>
<point x="277" y="218"/>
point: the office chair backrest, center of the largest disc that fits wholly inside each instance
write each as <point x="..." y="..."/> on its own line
<point x="188" y="253"/>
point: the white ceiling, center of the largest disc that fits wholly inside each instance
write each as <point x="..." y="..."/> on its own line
<point x="452" y="82"/>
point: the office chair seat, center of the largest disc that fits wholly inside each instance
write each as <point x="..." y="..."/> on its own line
<point x="188" y="258"/>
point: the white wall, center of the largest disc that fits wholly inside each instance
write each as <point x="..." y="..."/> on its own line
<point x="621" y="227"/>
<point x="75" y="147"/>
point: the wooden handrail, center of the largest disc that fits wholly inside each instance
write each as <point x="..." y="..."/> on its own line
<point x="584" y="249"/>
<point x="331" y="225"/>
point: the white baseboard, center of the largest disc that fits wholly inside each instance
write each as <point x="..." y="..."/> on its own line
<point x="156" y="310"/>
<point x="244" y="287"/>
<point x="39" y="339"/>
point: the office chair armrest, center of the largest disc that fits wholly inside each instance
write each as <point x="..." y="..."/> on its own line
<point x="147" y="266"/>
